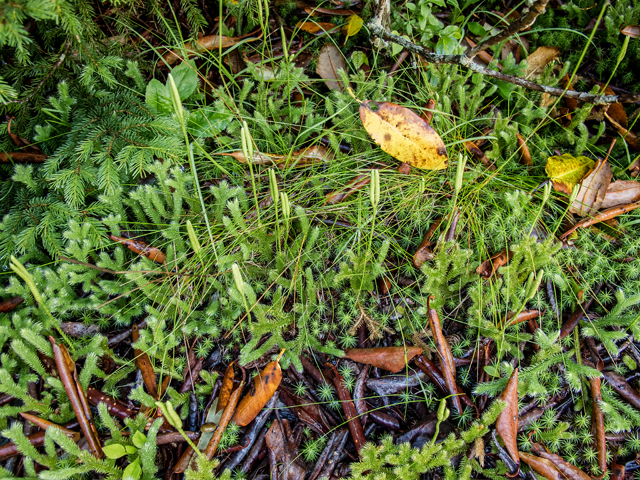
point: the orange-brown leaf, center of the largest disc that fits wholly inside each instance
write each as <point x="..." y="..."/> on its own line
<point x="208" y="42"/>
<point x="523" y="316"/>
<point x="478" y="154"/>
<point x="621" y="192"/>
<point x="525" y="155"/>
<point x="631" y="31"/>
<point x="143" y="362"/>
<point x="140" y="247"/>
<point x="630" y="137"/>
<point x="224" y="421"/>
<point x="542" y="466"/>
<point x="226" y="388"/>
<point x="424" y="252"/>
<point x="316" y="28"/>
<point x="446" y="357"/>
<point x="264" y="386"/>
<point x="404" y="135"/>
<point x="507" y="423"/>
<point x="10" y="304"/>
<point x="22" y="157"/>
<point x="489" y="267"/>
<point x="392" y="359"/>
<point x="44" y="424"/>
<point x="566" y="469"/>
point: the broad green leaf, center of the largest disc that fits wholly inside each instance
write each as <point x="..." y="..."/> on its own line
<point x="353" y="26"/>
<point x="157" y="97"/>
<point x="206" y="122"/>
<point x="139" y="439"/>
<point x="186" y="77"/>
<point x="567" y="170"/>
<point x="446" y="45"/>
<point x="114" y="451"/>
<point x="476" y="29"/>
<point x="133" y="471"/>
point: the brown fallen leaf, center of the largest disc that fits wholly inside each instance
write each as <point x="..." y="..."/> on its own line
<point x="330" y="62"/>
<point x="264" y="386"/>
<point x="478" y="154"/>
<point x="447" y="364"/>
<point x="349" y="409"/>
<point x="525" y="155"/>
<point x="79" y="329"/>
<point x="45" y="424"/>
<point x="315" y="11"/>
<point x="622" y="388"/>
<point x="597" y="424"/>
<point x="617" y="471"/>
<point x="607" y="214"/>
<point x="621" y="192"/>
<point x="227" y="413"/>
<point x="507" y="423"/>
<point x="539" y="59"/>
<point x="616" y="110"/>
<point x="391" y="359"/>
<point x="523" y="316"/>
<point x="22" y="157"/>
<point x="404" y="135"/>
<point x="593" y="189"/>
<point x="484" y="55"/>
<point x="140" y="247"/>
<point x="566" y="469"/>
<point x="277" y="443"/>
<point x="424" y="252"/>
<point x="25" y="145"/>
<point x="10" y="449"/>
<point x="542" y="466"/>
<point x="226" y="388"/>
<point x="143" y="362"/>
<point x="10" y="304"/>
<point x="316" y="28"/>
<point x="299" y="158"/>
<point x="427" y="113"/>
<point x="489" y="267"/>
<point x="629" y="137"/>
<point x="208" y="42"/>
<point x="632" y="31"/>
<point x="353" y="185"/>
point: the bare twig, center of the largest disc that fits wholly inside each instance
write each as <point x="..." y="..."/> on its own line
<point x="523" y="23"/>
<point x="465" y="61"/>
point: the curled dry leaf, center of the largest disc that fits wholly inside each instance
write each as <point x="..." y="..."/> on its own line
<point x="478" y="154"/>
<point x="424" y="252"/>
<point x="316" y="28"/>
<point x="629" y="137"/>
<point x="350" y="412"/>
<point x="392" y="359"/>
<point x="607" y="214"/>
<point x="616" y="110"/>
<point x="523" y="316"/>
<point x="115" y="407"/>
<point x="566" y="469"/>
<point x="330" y="62"/>
<point x="264" y="386"/>
<point x="489" y="267"/>
<point x="277" y="442"/>
<point x="542" y="466"/>
<point x="565" y="171"/>
<point x="404" y="135"/>
<point x="525" y="155"/>
<point x="140" y="247"/>
<point x="631" y="31"/>
<point x="299" y="158"/>
<point x="208" y="42"/>
<point x="507" y="423"/>
<point x="10" y="304"/>
<point x="621" y="192"/>
<point x="45" y="424"/>
<point x="446" y="357"/>
<point x="593" y="189"/>
<point x="539" y="59"/>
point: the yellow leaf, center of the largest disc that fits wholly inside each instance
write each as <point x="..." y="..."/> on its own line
<point x="404" y="135"/>
<point x="353" y="26"/>
<point x="566" y="170"/>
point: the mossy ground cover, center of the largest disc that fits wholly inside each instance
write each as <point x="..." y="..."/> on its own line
<point x="126" y="208"/>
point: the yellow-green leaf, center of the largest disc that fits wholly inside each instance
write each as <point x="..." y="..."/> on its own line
<point x="353" y="25"/>
<point x="566" y="170"/>
<point x="404" y="135"/>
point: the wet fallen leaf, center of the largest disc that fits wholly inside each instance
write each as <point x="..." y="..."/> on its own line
<point x="507" y="423"/>
<point x="392" y="359"/>
<point x="264" y="386"/>
<point x="276" y="441"/>
<point x="316" y="28"/>
<point x="593" y="189"/>
<point x="607" y="214"/>
<point x="140" y="247"/>
<point x="22" y="157"/>
<point x="25" y="145"/>
<point x="622" y="388"/>
<point x="10" y="304"/>
<point x="542" y="466"/>
<point x="629" y="137"/>
<point x="621" y="192"/>
<point x="143" y="363"/>
<point x="566" y="469"/>
<point x="617" y="471"/>
<point x="349" y="409"/>
<point x="208" y="42"/>
<point x="523" y="316"/>
<point x="539" y="59"/>
<point x="446" y="357"/>
<point x="565" y="171"/>
<point x="631" y="31"/>
<point x="404" y="135"/>
<point x="489" y="267"/>
<point x="226" y="388"/>
<point x="353" y="26"/>
<point x="299" y="158"/>
<point x="597" y="423"/>
<point x="330" y="62"/>
<point x="309" y="413"/>
<point x="525" y="155"/>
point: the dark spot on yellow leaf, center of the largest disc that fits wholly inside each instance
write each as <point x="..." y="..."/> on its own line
<point x="387" y="137"/>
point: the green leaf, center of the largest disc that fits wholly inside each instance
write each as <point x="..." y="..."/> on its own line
<point x="130" y="449"/>
<point x="476" y="29"/>
<point x="446" y="45"/>
<point x="139" y="439"/>
<point x="114" y="451"/>
<point x="133" y="471"/>
<point x="186" y="77"/>
<point x="157" y="97"/>
<point x="206" y="122"/>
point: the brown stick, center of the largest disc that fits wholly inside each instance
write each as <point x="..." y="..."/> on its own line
<point x="604" y="215"/>
<point x="376" y="28"/>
